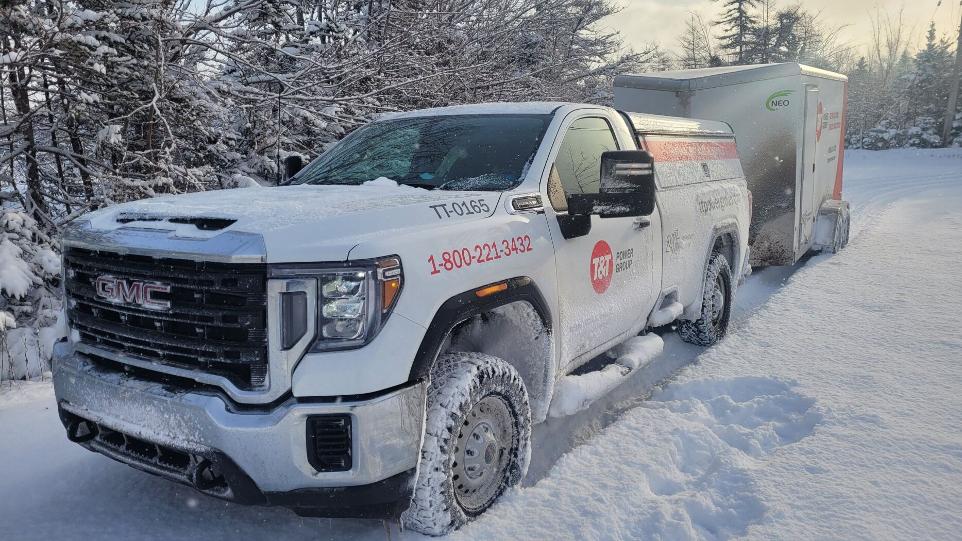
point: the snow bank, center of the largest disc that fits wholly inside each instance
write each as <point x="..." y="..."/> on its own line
<point x="830" y="411"/>
<point x="575" y="393"/>
<point x="677" y="468"/>
<point x="28" y="304"/>
<point x="25" y="352"/>
<point x="18" y="393"/>
<point x="15" y="275"/>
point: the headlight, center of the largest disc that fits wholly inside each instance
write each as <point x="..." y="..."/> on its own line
<point x="353" y="303"/>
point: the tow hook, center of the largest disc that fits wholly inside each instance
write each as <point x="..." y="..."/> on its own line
<point x="80" y="431"/>
<point x="205" y="476"/>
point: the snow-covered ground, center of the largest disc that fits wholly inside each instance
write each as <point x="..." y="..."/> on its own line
<point x="832" y="410"/>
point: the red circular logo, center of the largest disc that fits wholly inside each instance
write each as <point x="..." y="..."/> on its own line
<point x="601" y="267"/>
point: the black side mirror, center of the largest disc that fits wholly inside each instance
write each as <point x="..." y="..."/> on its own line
<point x="627" y="187"/>
<point x="292" y="164"/>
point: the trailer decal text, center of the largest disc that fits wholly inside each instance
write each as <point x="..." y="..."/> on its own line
<point x="716" y="201"/>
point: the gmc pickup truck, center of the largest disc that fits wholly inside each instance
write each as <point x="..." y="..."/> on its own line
<point x="377" y="336"/>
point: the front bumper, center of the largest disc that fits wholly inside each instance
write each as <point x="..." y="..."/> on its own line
<point x="250" y="457"/>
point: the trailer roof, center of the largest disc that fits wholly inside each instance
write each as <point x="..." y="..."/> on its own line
<point x="698" y="79"/>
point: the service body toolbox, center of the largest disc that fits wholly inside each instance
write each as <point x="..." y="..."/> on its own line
<point x="789" y="120"/>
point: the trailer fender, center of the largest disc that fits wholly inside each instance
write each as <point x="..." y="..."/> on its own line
<point x="831" y="226"/>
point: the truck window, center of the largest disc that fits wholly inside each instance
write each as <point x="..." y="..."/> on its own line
<point x="578" y="164"/>
<point x="449" y="152"/>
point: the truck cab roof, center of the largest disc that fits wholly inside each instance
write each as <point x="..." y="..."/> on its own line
<point x="495" y="108"/>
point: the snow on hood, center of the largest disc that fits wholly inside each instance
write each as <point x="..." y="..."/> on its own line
<point x="298" y="223"/>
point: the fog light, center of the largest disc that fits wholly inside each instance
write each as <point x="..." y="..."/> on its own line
<point x="329" y="442"/>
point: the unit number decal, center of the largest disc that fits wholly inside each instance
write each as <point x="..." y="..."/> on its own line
<point x="485" y="252"/>
<point x="460" y="208"/>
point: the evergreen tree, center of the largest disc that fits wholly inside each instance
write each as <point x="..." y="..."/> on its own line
<point x="929" y="86"/>
<point x="740" y="28"/>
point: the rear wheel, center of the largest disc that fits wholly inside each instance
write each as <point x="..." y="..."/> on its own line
<point x="712" y="324"/>
<point x="476" y="441"/>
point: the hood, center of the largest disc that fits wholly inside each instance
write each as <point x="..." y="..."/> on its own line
<point x="298" y="223"/>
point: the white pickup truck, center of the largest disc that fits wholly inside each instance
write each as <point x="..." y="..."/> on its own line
<point x="377" y="337"/>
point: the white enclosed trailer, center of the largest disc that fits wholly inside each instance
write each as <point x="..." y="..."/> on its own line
<point x="789" y="121"/>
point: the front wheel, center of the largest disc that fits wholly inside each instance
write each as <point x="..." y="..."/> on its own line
<point x="476" y="441"/>
<point x="712" y="324"/>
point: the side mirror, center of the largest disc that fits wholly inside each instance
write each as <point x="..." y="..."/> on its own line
<point x="627" y="187"/>
<point x="292" y="164"/>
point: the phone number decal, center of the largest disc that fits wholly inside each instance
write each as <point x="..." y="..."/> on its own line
<point x="486" y="252"/>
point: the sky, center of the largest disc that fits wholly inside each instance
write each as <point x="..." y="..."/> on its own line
<point x="662" y="21"/>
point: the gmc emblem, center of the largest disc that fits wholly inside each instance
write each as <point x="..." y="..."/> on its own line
<point x="136" y="292"/>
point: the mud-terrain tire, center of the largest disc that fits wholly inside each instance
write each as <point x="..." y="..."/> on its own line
<point x="477" y="441"/>
<point x="716" y="305"/>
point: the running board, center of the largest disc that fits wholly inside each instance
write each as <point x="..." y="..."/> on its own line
<point x="576" y="392"/>
<point x="666" y="314"/>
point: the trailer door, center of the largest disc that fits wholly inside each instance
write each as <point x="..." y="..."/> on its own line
<point x="806" y="202"/>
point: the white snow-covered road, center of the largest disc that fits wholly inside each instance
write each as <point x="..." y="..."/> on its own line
<point x="832" y="410"/>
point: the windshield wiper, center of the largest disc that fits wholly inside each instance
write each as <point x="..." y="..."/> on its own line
<point x="425" y="185"/>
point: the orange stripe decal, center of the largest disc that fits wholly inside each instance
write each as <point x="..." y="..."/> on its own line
<point x="837" y="192"/>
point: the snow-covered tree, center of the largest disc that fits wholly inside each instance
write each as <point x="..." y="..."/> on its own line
<point x="740" y="26"/>
<point x="110" y="100"/>
<point x="930" y="80"/>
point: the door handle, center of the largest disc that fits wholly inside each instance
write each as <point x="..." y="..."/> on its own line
<point x="641" y="223"/>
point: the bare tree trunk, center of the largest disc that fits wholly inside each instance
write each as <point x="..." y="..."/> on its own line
<point x="58" y="161"/>
<point x="36" y="204"/>
<point x="77" y="146"/>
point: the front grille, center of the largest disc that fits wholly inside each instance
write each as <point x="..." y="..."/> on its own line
<point x="329" y="442"/>
<point x="216" y="323"/>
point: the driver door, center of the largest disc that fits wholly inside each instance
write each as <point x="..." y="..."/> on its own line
<point x="606" y="280"/>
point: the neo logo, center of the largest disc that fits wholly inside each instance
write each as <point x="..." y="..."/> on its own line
<point x="136" y="292"/>
<point x="602" y="266"/>
<point x="778" y="100"/>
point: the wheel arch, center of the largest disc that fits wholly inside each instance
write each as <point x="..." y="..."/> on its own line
<point x="464" y="321"/>
<point x="725" y="240"/>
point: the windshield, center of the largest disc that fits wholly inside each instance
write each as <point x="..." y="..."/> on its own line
<point x="453" y="152"/>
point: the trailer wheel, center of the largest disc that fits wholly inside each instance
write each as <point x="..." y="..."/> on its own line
<point x="840" y="236"/>
<point x="846" y="225"/>
<point x="715" y="307"/>
<point x="476" y="441"/>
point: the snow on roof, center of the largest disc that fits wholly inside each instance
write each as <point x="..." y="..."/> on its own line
<point x="645" y="123"/>
<point x="696" y="79"/>
<point x="494" y="108"/>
